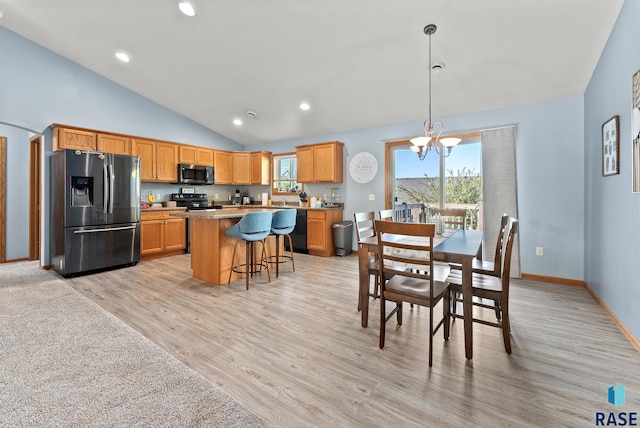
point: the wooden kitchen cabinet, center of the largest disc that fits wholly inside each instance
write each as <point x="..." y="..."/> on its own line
<point x="195" y="155"/>
<point x="304" y="158"/>
<point x="321" y="163"/>
<point x="87" y="140"/>
<point x="166" y="162"/>
<point x="162" y="235"/>
<point x="241" y="168"/>
<point x="320" y="231"/>
<point x="75" y="139"/>
<point x="222" y="168"/>
<point x="158" y="159"/>
<point x="110" y="143"/>
<point x="261" y="168"/>
<point x="146" y="149"/>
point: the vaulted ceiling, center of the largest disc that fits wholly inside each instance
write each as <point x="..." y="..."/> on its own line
<point x="358" y="63"/>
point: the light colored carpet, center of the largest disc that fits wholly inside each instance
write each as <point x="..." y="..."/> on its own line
<point x="64" y="361"/>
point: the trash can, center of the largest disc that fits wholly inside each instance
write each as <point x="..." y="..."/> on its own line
<point x="342" y="236"/>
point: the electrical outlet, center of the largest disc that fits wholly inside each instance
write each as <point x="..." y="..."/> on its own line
<point x="372" y="196"/>
<point x="216" y="197"/>
<point x="539" y="251"/>
<point x="157" y="196"/>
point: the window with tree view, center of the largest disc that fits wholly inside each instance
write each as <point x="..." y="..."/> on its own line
<point x="285" y="172"/>
<point x="441" y="182"/>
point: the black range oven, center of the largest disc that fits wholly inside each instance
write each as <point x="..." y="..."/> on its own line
<point x="193" y="202"/>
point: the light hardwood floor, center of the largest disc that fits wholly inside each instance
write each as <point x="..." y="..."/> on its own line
<point x="294" y="352"/>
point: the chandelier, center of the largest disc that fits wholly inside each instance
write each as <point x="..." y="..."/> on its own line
<point x="422" y="145"/>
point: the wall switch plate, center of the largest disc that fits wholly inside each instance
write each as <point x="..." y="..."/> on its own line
<point x="372" y="196"/>
<point x="539" y="251"/>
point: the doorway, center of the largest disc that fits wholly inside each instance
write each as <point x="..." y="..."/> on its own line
<point x="20" y="212"/>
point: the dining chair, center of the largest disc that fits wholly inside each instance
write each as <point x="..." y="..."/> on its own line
<point x="493" y="267"/>
<point x="490" y="288"/>
<point x="488" y="267"/>
<point x="365" y="228"/>
<point x="387" y="215"/>
<point x="408" y="273"/>
<point x="253" y="227"/>
<point x="453" y="218"/>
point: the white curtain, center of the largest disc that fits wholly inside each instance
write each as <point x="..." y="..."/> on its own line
<point x="499" y="187"/>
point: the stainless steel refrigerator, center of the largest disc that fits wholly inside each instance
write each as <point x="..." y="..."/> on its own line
<point x="95" y="199"/>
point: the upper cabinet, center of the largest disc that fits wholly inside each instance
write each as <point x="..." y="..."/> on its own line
<point x="195" y="155"/>
<point x="166" y="162"/>
<point x="222" y="168"/>
<point x="114" y="144"/>
<point x="241" y="167"/>
<point x="76" y="139"/>
<point x="146" y="149"/>
<point x="321" y="163"/>
<point x="83" y="139"/>
<point x="158" y="160"/>
<point x="261" y="168"/>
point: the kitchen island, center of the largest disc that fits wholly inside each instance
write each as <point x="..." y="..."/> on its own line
<point x="211" y="249"/>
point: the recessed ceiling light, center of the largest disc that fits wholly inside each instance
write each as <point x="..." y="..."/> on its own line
<point x="237" y="122"/>
<point x="123" y="57"/>
<point x="305" y="106"/>
<point x="186" y="8"/>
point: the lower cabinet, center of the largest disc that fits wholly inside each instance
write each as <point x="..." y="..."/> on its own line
<point x="320" y="231"/>
<point x="162" y="235"/>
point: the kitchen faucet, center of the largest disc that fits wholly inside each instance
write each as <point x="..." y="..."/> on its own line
<point x="284" y="202"/>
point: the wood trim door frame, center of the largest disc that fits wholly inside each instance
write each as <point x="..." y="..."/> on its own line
<point x="3" y="199"/>
<point x="35" y="144"/>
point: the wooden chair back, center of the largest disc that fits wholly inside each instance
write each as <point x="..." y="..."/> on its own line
<point x="396" y="255"/>
<point x="453" y="218"/>
<point x="497" y="259"/>
<point x="408" y="274"/>
<point x="364" y="224"/>
<point x="387" y="215"/>
<point x="506" y="265"/>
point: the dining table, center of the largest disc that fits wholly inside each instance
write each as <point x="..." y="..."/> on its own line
<point x="456" y="246"/>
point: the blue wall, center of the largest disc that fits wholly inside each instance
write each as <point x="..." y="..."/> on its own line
<point x="39" y="88"/>
<point x="550" y="168"/>
<point x="612" y="242"/>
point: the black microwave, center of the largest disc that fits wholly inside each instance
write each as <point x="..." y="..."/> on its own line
<point x="195" y="174"/>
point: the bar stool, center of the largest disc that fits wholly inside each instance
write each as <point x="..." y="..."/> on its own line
<point x="251" y="228"/>
<point x="283" y="223"/>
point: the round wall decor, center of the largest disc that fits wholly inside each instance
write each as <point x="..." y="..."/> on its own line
<point x="363" y="167"/>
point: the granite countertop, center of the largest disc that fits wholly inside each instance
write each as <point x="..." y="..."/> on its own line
<point x="163" y="209"/>
<point x="221" y="214"/>
<point x="279" y="206"/>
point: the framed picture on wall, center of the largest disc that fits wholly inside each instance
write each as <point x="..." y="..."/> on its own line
<point x="635" y="131"/>
<point x="611" y="147"/>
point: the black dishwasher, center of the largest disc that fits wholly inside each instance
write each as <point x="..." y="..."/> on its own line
<point x="299" y="234"/>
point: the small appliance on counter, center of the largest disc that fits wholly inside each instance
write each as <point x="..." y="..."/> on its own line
<point x="237" y="197"/>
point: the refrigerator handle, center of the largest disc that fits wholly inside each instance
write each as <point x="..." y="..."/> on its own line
<point x="105" y="190"/>
<point x="111" y="186"/>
